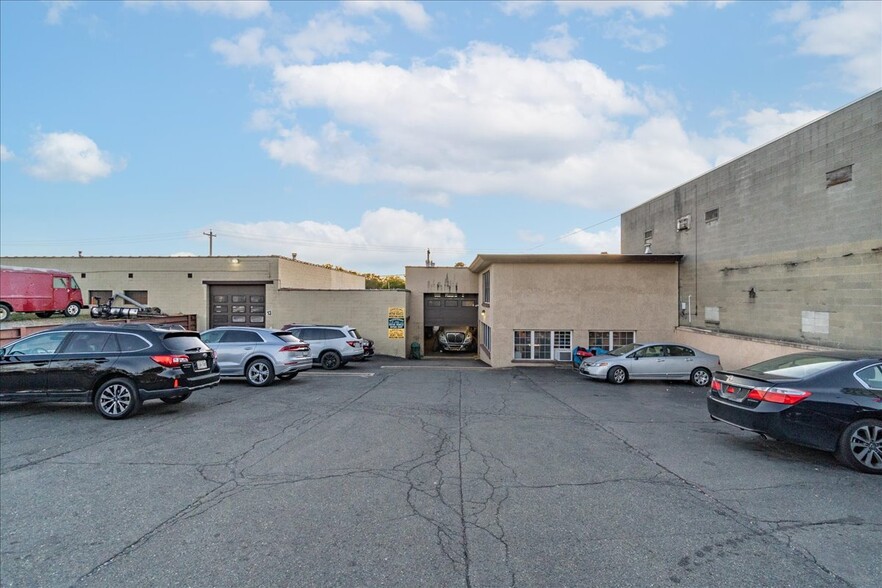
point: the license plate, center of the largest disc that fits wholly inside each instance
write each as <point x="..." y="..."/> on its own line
<point x="201" y="364"/>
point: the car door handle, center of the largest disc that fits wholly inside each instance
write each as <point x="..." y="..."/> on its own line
<point x="249" y="348"/>
<point x="100" y="360"/>
<point x="41" y="363"/>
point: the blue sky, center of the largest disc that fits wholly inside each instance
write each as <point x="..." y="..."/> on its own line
<point x="362" y="133"/>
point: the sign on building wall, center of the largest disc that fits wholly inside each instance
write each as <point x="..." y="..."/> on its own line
<point x="396" y="323"/>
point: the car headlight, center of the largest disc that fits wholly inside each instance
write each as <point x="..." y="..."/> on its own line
<point x="442" y="337"/>
<point x="468" y="338"/>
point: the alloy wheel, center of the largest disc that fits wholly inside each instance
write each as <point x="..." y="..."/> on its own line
<point x="115" y="399"/>
<point x="866" y="446"/>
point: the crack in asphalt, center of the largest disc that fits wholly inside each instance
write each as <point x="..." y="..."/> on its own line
<point x="721" y="508"/>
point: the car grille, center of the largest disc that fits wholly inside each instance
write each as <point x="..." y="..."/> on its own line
<point x="455" y="337"/>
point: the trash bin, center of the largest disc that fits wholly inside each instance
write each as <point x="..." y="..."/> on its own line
<point x="415" y="351"/>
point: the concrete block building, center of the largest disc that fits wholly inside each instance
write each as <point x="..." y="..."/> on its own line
<point x="783" y="244"/>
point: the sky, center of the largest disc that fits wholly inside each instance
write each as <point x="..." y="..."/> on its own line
<point x="361" y="134"/>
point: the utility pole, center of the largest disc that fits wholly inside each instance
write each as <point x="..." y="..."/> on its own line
<point x="211" y="237"/>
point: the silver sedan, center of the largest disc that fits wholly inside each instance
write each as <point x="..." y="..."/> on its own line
<point x="652" y="361"/>
<point x="260" y="355"/>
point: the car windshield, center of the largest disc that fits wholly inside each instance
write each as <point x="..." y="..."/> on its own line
<point x="796" y="366"/>
<point x="624" y="349"/>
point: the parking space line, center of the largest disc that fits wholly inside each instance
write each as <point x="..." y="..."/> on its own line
<point x="326" y="374"/>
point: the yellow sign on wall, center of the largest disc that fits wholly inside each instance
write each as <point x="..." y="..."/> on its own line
<point x="396" y="322"/>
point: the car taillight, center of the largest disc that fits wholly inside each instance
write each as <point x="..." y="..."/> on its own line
<point x="716" y="386"/>
<point x="778" y="395"/>
<point x="354" y="343"/>
<point x="170" y="360"/>
<point x="295" y="347"/>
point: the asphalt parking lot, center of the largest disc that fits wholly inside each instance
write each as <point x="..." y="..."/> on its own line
<point x="425" y="473"/>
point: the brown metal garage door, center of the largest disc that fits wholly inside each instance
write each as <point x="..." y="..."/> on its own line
<point x="448" y="310"/>
<point x="238" y="304"/>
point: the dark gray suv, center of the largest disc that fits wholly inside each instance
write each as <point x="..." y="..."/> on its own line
<point x="331" y="346"/>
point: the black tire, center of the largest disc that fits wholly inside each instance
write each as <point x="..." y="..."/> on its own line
<point x="331" y="360"/>
<point x="72" y="309"/>
<point x="260" y="372"/>
<point x="700" y="377"/>
<point x="5" y="311"/>
<point x="176" y="399"/>
<point x="860" y="446"/>
<point x="44" y="314"/>
<point x="288" y="376"/>
<point x="617" y="375"/>
<point x="117" y="399"/>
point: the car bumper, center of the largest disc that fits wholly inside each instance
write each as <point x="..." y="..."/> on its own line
<point x="294" y="365"/>
<point x="776" y="421"/>
<point x="591" y="371"/>
<point x="204" y="382"/>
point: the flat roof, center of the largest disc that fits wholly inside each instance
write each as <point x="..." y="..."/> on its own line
<point x="482" y="262"/>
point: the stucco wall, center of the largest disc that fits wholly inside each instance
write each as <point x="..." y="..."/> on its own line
<point x="423" y="280"/>
<point x="800" y="245"/>
<point x="298" y="274"/>
<point x="578" y="297"/>
<point x="177" y="284"/>
<point x="366" y="310"/>
<point x="736" y="351"/>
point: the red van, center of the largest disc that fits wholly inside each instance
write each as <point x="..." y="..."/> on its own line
<point x="41" y="291"/>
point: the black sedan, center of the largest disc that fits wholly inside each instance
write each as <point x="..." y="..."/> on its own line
<point x="826" y="400"/>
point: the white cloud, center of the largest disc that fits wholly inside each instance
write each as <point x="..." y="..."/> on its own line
<point x="6" y="154"/>
<point x="490" y="123"/>
<point x="69" y="157"/>
<point x="634" y="37"/>
<point x="752" y="130"/>
<point x="851" y="32"/>
<point x="596" y="242"/>
<point x="558" y="45"/>
<point x="521" y="8"/>
<point x="644" y="8"/>
<point x="385" y="239"/>
<point x="326" y="35"/>
<point x="411" y="13"/>
<point x="236" y="9"/>
<point x="56" y="9"/>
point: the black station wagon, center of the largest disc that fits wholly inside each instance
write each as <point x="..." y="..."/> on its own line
<point x="113" y="367"/>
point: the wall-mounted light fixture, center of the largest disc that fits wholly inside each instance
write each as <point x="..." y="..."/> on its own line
<point x="751" y="293"/>
<point x="235" y="260"/>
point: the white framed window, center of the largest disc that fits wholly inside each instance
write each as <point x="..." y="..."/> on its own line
<point x="541" y="344"/>
<point x="485" y="283"/>
<point x="604" y="338"/>
<point x="485" y="332"/>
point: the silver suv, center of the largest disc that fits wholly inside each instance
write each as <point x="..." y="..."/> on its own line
<point x="261" y="355"/>
<point x="331" y="345"/>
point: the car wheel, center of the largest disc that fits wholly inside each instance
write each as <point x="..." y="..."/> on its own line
<point x="860" y="446"/>
<point x="176" y="399"/>
<point x="44" y="314"/>
<point x="260" y="372"/>
<point x="4" y="312"/>
<point x="700" y="377"/>
<point x="117" y="399"/>
<point x="617" y="375"/>
<point x="73" y="309"/>
<point x="288" y="376"/>
<point x="331" y="360"/>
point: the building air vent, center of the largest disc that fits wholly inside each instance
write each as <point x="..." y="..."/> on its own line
<point x="712" y="215"/>
<point x="683" y="223"/>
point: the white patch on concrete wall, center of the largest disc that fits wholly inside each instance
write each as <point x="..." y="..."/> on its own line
<point x="815" y="322"/>
<point x="712" y="314"/>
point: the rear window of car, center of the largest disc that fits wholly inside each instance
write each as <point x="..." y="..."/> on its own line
<point x="287" y="337"/>
<point x="354" y="333"/>
<point x="128" y="342"/>
<point x="797" y="366"/>
<point x="184" y="342"/>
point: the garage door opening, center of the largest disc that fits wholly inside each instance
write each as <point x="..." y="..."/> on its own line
<point x="451" y="325"/>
